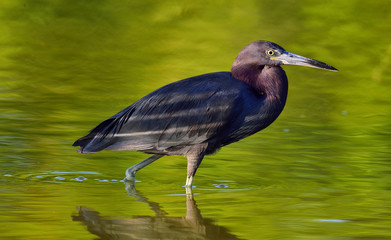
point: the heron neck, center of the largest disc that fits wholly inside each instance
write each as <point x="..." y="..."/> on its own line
<point x="268" y="80"/>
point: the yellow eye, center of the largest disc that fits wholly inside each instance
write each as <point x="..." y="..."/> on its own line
<point x="270" y="52"/>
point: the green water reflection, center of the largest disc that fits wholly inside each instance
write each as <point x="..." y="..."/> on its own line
<point x="321" y="171"/>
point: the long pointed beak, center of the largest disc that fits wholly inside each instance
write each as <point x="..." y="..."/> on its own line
<point x="288" y="58"/>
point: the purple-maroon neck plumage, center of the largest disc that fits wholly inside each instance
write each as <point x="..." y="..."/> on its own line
<point x="270" y="80"/>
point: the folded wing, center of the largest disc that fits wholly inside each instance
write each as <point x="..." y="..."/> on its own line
<point x="188" y="112"/>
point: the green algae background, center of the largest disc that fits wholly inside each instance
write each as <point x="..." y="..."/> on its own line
<point x="321" y="171"/>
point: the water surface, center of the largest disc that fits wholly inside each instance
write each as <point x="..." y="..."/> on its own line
<point x="321" y="171"/>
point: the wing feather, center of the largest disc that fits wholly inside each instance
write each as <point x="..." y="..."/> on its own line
<point x="187" y="112"/>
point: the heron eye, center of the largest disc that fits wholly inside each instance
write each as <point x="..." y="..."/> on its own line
<point x="270" y="52"/>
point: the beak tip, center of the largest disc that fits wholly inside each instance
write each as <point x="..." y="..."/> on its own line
<point x="334" y="69"/>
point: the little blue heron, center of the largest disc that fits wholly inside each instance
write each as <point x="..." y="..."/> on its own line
<point x="196" y="116"/>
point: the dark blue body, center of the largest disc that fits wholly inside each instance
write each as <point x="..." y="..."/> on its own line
<point x="198" y="114"/>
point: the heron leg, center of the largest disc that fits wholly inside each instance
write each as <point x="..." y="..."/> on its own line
<point x="131" y="172"/>
<point x="193" y="161"/>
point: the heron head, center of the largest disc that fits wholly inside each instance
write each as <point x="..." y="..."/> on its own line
<point x="264" y="53"/>
<point x="277" y="55"/>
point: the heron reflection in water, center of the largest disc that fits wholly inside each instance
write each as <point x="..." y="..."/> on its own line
<point x="160" y="226"/>
<point x="197" y="116"/>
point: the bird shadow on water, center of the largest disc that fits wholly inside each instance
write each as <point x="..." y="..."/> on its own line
<point x="160" y="226"/>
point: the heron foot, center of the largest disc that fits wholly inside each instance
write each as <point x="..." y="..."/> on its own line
<point x="189" y="181"/>
<point x="189" y="186"/>
<point x="130" y="174"/>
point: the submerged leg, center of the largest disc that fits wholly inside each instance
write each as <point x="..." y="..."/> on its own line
<point x="131" y="172"/>
<point x="193" y="162"/>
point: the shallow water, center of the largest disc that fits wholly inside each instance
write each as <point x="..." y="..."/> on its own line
<point x="321" y="171"/>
